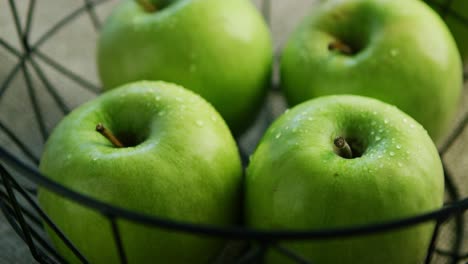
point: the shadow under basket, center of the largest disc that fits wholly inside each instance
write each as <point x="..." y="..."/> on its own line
<point x="19" y="158"/>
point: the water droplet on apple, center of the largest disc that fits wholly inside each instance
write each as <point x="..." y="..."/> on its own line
<point x="287" y="110"/>
<point x="278" y="135"/>
<point x="374" y="112"/>
<point x="193" y="68"/>
<point x="411" y="125"/>
<point x="373" y="123"/>
<point x="178" y="99"/>
<point x="392" y="153"/>
<point x="171" y="24"/>
<point x="377" y="138"/>
<point x="287" y="127"/>
<point x="398" y="146"/>
<point x="310" y="118"/>
<point x="381" y="165"/>
<point x="394" y="52"/>
<point x="213" y="118"/>
<point x="405" y="120"/>
<point x="400" y="165"/>
<point x="372" y="132"/>
<point x="200" y="123"/>
<point x="161" y="113"/>
<point x="158" y="98"/>
<point x="386" y="121"/>
<point x="379" y="156"/>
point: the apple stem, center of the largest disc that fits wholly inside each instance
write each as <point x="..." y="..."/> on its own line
<point x="154" y="5"/>
<point x="108" y="134"/>
<point x="147" y="5"/>
<point x="344" y="150"/>
<point x="340" y="46"/>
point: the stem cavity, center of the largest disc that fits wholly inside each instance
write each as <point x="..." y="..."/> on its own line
<point x="109" y="135"/>
<point x="341" y="47"/>
<point x="151" y="6"/>
<point x="342" y="148"/>
<point x="147" y="5"/>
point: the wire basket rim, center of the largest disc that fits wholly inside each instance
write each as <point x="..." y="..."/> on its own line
<point x="233" y="232"/>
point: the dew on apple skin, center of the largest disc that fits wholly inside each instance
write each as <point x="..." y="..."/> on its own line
<point x="193" y="68"/>
<point x="178" y="99"/>
<point x="171" y="24"/>
<point x="199" y="123"/>
<point x="392" y="153"/>
<point x="398" y="146"/>
<point x="161" y="113"/>
<point x="400" y="164"/>
<point x="394" y="52"/>
<point x="405" y="120"/>
<point x="377" y="138"/>
<point x="386" y="121"/>
<point x="158" y="98"/>
<point x="278" y="135"/>
<point x="213" y="118"/>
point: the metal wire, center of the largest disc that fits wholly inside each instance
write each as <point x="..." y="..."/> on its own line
<point x="290" y="254"/>
<point x="117" y="239"/>
<point x="447" y="211"/>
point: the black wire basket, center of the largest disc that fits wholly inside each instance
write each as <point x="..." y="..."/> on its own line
<point x="19" y="158"/>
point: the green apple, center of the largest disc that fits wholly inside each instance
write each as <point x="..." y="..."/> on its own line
<point x="457" y="25"/>
<point x="342" y="161"/>
<point x="397" y="51"/>
<point x="222" y="50"/>
<point x="178" y="161"/>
